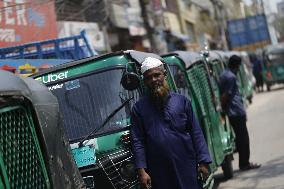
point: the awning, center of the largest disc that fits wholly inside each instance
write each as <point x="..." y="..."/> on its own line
<point x="183" y="37"/>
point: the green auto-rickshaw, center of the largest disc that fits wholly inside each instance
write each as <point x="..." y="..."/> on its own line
<point x="95" y="97"/>
<point x="273" y="66"/>
<point x="193" y="79"/>
<point x="34" y="152"/>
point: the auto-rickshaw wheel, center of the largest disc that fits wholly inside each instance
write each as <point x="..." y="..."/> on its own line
<point x="268" y="87"/>
<point x="250" y="99"/>
<point x="227" y="166"/>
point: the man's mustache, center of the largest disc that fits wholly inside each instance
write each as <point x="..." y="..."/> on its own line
<point x="160" y="91"/>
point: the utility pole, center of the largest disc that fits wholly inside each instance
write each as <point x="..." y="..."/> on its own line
<point x="150" y="31"/>
<point x="105" y="24"/>
<point x="262" y="7"/>
<point x="219" y="11"/>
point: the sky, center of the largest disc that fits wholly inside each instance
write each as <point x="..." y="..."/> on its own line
<point x="270" y="5"/>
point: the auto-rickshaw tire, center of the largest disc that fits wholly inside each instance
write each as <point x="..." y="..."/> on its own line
<point x="227" y="167"/>
<point x="268" y="87"/>
<point x="250" y="99"/>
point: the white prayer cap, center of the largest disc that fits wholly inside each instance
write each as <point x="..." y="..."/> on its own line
<point x="150" y="63"/>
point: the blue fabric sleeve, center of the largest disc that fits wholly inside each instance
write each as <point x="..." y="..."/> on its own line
<point x="229" y="86"/>
<point x="197" y="136"/>
<point x="138" y="139"/>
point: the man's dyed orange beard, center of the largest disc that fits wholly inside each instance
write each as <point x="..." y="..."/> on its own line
<point x="159" y="93"/>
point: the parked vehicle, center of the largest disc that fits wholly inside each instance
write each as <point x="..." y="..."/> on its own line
<point x="31" y="57"/>
<point x="193" y="79"/>
<point x="74" y="47"/>
<point x="96" y="111"/>
<point x="248" y="78"/>
<point x="8" y="68"/>
<point x="34" y="153"/>
<point x="27" y="70"/>
<point x="273" y="71"/>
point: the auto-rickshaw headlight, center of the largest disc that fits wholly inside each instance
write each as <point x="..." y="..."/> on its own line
<point x="128" y="171"/>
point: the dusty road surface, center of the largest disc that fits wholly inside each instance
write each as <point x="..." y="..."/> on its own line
<point x="266" y="130"/>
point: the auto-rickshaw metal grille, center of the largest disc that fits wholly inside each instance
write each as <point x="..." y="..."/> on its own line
<point x="242" y="81"/>
<point x="21" y="161"/>
<point x="199" y="81"/>
<point x="120" y="169"/>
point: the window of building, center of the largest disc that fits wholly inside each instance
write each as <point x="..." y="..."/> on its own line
<point x="190" y="31"/>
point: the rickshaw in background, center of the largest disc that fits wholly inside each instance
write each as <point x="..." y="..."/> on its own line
<point x="34" y="153"/>
<point x="216" y="67"/>
<point x="193" y="80"/>
<point x="273" y="69"/>
<point x="248" y="69"/>
<point x="8" y="68"/>
<point x="215" y="63"/>
<point x="27" y="70"/>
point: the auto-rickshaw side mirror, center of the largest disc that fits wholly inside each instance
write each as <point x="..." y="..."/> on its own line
<point x="130" y="80"/>
<point x="205" y="51"/>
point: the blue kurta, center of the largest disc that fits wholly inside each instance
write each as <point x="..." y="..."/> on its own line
<point x="168" y="143"/>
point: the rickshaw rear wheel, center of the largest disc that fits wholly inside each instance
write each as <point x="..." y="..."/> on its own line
<point x="250" y="99"/>
<point x="268" y="87"/>
<point x="227" y="166"/>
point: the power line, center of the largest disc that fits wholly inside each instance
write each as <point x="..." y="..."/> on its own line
<point x="11" y="6"/>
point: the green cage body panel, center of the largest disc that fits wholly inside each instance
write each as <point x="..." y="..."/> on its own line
<point x="199" y="81"/>
<point x="202" y="90"/>
<point x="21" y="160"/>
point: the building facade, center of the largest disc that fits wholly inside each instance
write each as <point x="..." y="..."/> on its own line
<point x="280" y="9"/>
<point x="196" y="23"/>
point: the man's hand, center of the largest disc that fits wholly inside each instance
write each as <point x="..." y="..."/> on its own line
<point x="144" y="178"/>
<point x="204" y="169"/>
<point x="224" y="100"/>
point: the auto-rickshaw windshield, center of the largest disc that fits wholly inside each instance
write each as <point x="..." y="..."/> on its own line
<point x="87" y="101"/>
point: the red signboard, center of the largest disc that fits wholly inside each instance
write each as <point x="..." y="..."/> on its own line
<point x="23" y="21"/>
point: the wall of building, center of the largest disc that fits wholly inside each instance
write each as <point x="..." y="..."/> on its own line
<point x="197" y="22"/>
<point x="26" y="21"/>
<point x="280" y="8"/>
<point x="172" y="22"/>
<point x="233" y="9"/>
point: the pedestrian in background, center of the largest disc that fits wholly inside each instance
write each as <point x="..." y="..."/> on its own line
<point x="257" y="72"/>
<point x="232" y="104"/>
<point x="168" y="143"/>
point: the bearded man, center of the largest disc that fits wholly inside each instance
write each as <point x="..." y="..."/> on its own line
<point x="168" y="143"/>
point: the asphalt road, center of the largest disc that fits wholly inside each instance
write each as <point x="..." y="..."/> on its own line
<point x="266" y="130"/>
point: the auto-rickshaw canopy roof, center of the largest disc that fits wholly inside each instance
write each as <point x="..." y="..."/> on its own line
<point x="188" y="57"/>
<point x="214" y="55"/>
<point x="275" y="49"/>
<point x="141" y="56"/>
<point x="106" y="60"/>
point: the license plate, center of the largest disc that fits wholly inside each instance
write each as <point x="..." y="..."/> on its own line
<point x="84" y="156"/>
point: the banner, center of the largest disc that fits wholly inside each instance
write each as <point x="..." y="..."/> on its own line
<point x="23" y="21"/>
